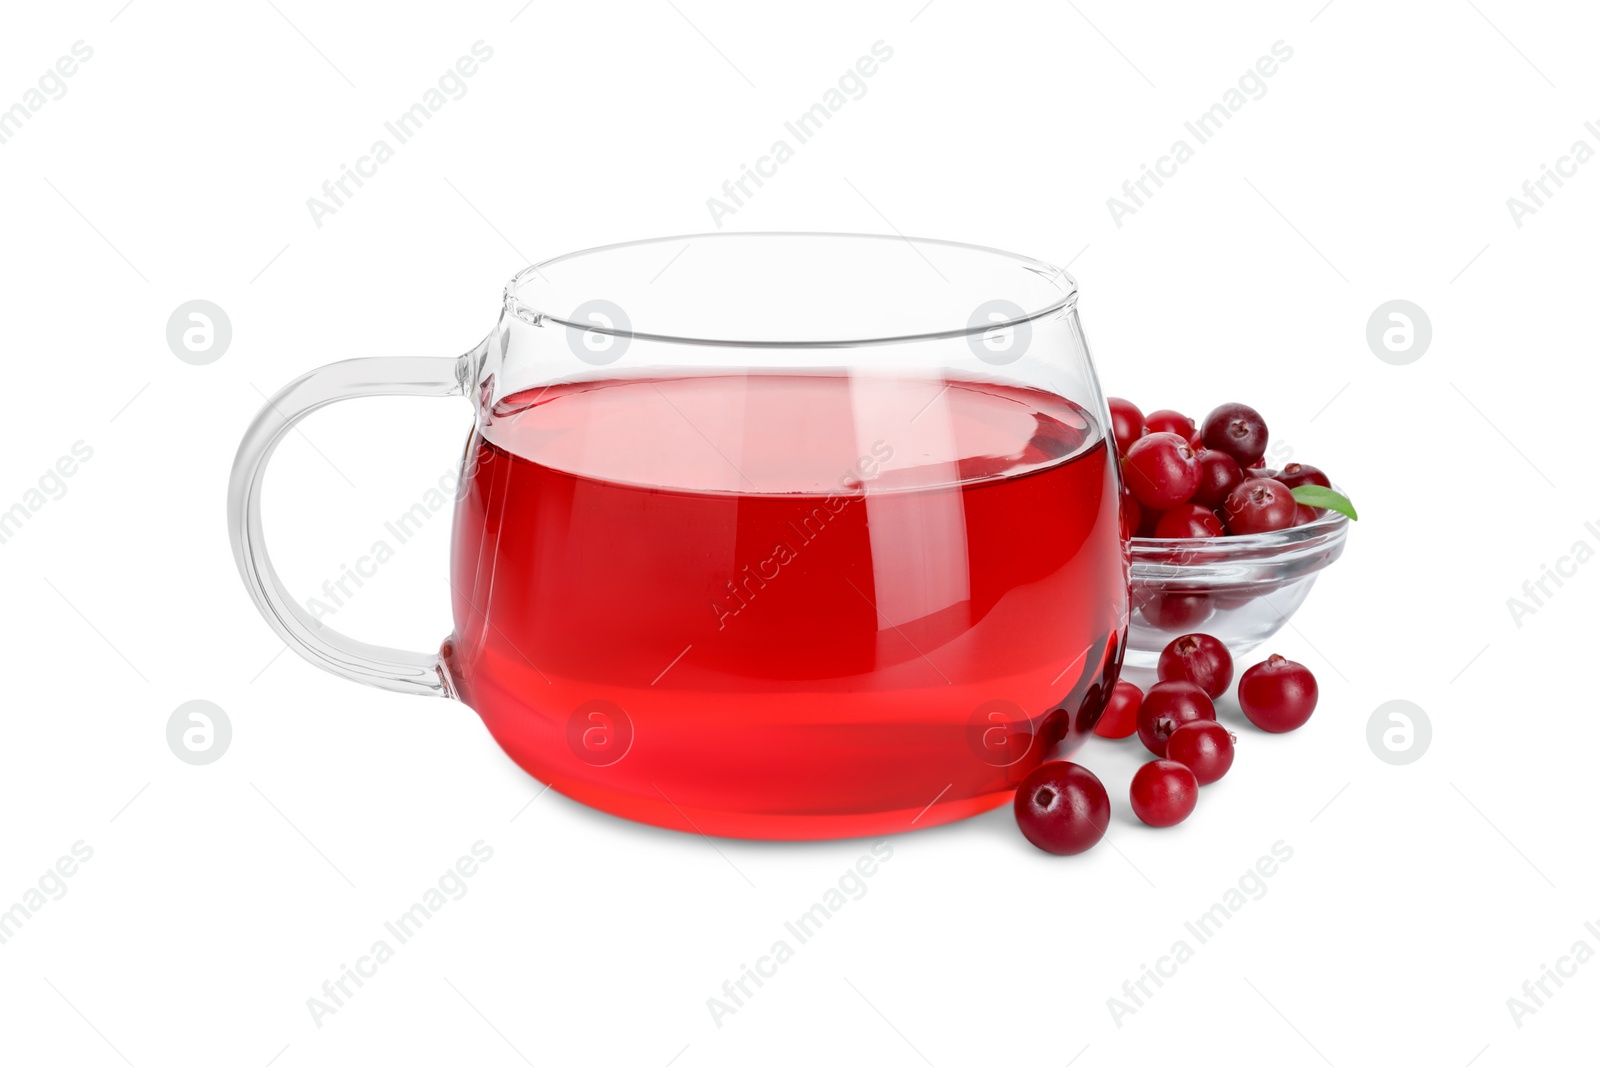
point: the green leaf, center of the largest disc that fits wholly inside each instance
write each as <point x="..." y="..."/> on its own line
<point x="1320" y="496"/>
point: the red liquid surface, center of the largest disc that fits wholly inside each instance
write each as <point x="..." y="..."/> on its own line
<point x="787" y="606"/>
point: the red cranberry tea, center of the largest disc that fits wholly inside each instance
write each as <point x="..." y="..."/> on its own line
<point x="787" y="605"/>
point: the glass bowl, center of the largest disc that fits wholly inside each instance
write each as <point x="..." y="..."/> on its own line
<point x="1241" y="590"/>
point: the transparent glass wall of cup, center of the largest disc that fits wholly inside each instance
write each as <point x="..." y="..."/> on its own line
<point x="762" y="535"/>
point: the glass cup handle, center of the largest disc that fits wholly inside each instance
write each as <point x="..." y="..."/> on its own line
<point x="387" y="668"/>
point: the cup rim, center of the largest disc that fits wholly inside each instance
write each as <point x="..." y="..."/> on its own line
<point x="527" y="312"/>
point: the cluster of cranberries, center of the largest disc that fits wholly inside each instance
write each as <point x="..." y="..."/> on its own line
<point x="1062" y="807"/>
<point x="1180" y="480"/>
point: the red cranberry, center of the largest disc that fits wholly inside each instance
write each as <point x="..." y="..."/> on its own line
<point x="1206" y="748"/>
<point x="1168" y="421"/>
<point x="1239" y="430"/>
<point x="1062" y="808"/>
<point x="1121" y="717"/>
<point x="1163" y="792"/>
<point x="1127" y="423"/>
<point x="1168" y="706"/>
<point x="1259" y="505"/>
<point x="1220" y="474"/>
<point x="1132" y="514"/>
<point x="1188" y="520"/>
<point x="1197" y="658"/>
<point x="1278" y="695"/>
<point x="1236" y="599"/>
<point x="1304" y="513"/>
<point x="1295" y="474"/>
<point x="1160" y="470"/>
<point x="1176" y="611"/>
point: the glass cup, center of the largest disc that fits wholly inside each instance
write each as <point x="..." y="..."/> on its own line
<point x="761" y="535"/>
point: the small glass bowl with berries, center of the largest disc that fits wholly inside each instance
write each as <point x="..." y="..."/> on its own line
<point x="1218" y="541"/>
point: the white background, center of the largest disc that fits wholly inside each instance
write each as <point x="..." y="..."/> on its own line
<point x="219" y="898"/>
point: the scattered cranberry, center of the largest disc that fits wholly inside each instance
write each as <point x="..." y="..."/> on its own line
<point x="1163" y="792"/>
<point x="1168" y="421"/>
<point x="1297" y="474"/>
<point x="1121" y="717"/>
<point x="1168" y="706"/>
<point x="1197" y="658"/>
<point x="1278" y="695"/>
<point x="1127" y="423"/>
<point x="1161" y="471"/>
<point x="1220" y="474"/>
<point x="1259" y="505"/>
<point x="1189" y="520"/>
<point x="1206" y="748"/>
<point x="1239" y="430"/>
<point x="1062" y="808"/>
